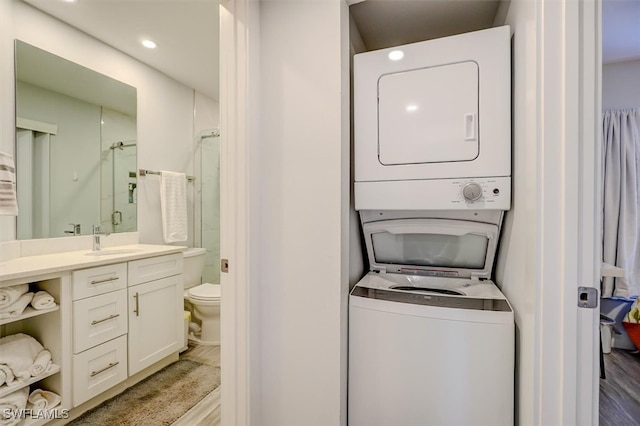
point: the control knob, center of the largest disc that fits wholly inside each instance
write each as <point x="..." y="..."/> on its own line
<point x="472" y="191"/>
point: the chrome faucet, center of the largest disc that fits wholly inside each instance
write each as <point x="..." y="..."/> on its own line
<point x="96" y="237"/>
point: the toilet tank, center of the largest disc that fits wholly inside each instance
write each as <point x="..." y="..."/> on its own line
<point x="194" y="259"/>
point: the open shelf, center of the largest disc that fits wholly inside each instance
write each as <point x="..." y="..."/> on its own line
<point x="6" y="390"/>
<point x="29" y="312"/>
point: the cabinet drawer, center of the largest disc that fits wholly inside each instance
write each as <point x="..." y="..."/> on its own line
<point x="98" y="319"/>
<point x="98" y="369"/>
<point x="153" y="268"/>
<point x="103" y="279"/>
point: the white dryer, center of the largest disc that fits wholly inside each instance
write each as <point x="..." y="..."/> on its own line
<point x="432" y="124"/>
<point x="431" y="338"/>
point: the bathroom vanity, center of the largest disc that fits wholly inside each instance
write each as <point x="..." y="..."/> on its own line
<point x="119" y="319"/>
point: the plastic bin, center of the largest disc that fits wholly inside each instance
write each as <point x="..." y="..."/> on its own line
<point x="187" y="320"/>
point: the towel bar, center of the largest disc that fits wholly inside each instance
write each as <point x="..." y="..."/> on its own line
<point x="144" y="172"/>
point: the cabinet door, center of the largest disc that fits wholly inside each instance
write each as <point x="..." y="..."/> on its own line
<point x="155" y="321"/>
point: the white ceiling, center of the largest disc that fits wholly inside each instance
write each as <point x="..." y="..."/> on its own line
<point x="186" y="32"/>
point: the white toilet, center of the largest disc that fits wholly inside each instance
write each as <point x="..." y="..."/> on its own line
<point x="202" y="299"/>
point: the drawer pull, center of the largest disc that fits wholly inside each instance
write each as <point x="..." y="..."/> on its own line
<point x="104" y="280"/>
<point x="111" y="365"/>
<point x="137" y="309"/>
<point x="94" y="322"/>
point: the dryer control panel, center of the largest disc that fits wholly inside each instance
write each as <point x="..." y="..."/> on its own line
<point x="436" y="194"/>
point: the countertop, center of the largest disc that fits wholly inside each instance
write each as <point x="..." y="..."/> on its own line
<point x="31" y="266"/>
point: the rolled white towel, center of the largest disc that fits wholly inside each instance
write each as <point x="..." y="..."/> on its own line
<point x="10" y="406"/>
<point x="9" y="295"/>
<point x="6" y="375"/>
<point x="18" y="352"/>
<point x="43" y="300"/>
<point x="41" y="363"/>
<point x="17" y="308"/>
<point x="41" y="399"/>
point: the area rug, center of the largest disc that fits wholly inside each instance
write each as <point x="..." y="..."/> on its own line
<point x="157" y="400"/>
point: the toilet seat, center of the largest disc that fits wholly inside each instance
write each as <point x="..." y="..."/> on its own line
<point x="204" y="292"/>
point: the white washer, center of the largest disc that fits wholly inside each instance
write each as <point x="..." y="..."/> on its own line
<point x="431" y="337"/>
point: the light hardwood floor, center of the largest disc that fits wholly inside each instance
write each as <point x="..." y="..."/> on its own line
<point x="207" y="411"/>
<point x="620" y="391"/>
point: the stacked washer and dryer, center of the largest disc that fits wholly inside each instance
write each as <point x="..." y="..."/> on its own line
<point x="431" y="337"/>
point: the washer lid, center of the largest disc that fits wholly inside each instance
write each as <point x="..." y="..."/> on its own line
<point x="205" y="291"/>
<point x="436" y="247"/>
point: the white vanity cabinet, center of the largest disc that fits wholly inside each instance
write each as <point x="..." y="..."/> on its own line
<point x="119" y="312"/>
<point x="155" y="310"/>
<point x="99" y="328"/>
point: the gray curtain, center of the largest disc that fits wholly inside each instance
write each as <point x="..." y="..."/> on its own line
<point x="621" y="224"/>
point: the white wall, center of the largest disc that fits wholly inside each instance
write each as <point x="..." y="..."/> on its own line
<point x="303" y="221"/>
<point x="356" y="249"/>
<point x="621" y="85"/>
<point x="165" y="107"/>
<point x="516" y="264"/>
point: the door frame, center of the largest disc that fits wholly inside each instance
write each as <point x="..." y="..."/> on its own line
<point x="233" y="211"/>
<point x="568" y="237"/>
<point x="238" y="341"/>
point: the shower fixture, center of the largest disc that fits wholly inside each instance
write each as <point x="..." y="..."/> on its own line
<point x="122" y="144"/>
<point x="210" y="133"/>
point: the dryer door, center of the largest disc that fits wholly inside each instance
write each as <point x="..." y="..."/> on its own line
<point x="429" y="115"/>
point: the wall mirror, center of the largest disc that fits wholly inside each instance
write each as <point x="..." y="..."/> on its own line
<point x="75" y="148"/>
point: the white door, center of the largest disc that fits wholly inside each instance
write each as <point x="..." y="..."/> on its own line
<point x="568" y="202"/>
<point x="155" y="321"/>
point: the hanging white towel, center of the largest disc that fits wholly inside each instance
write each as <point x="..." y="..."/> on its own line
<point x="8" y="202"/>
<point x="173" y="203"/>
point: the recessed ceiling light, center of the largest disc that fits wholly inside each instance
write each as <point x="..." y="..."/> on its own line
<point x="148" y="44"/>
<point x="396" y="55"/>
<point x="69" y="1"/>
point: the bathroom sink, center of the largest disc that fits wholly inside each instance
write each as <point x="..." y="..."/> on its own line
<point x="107" y="252"/>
